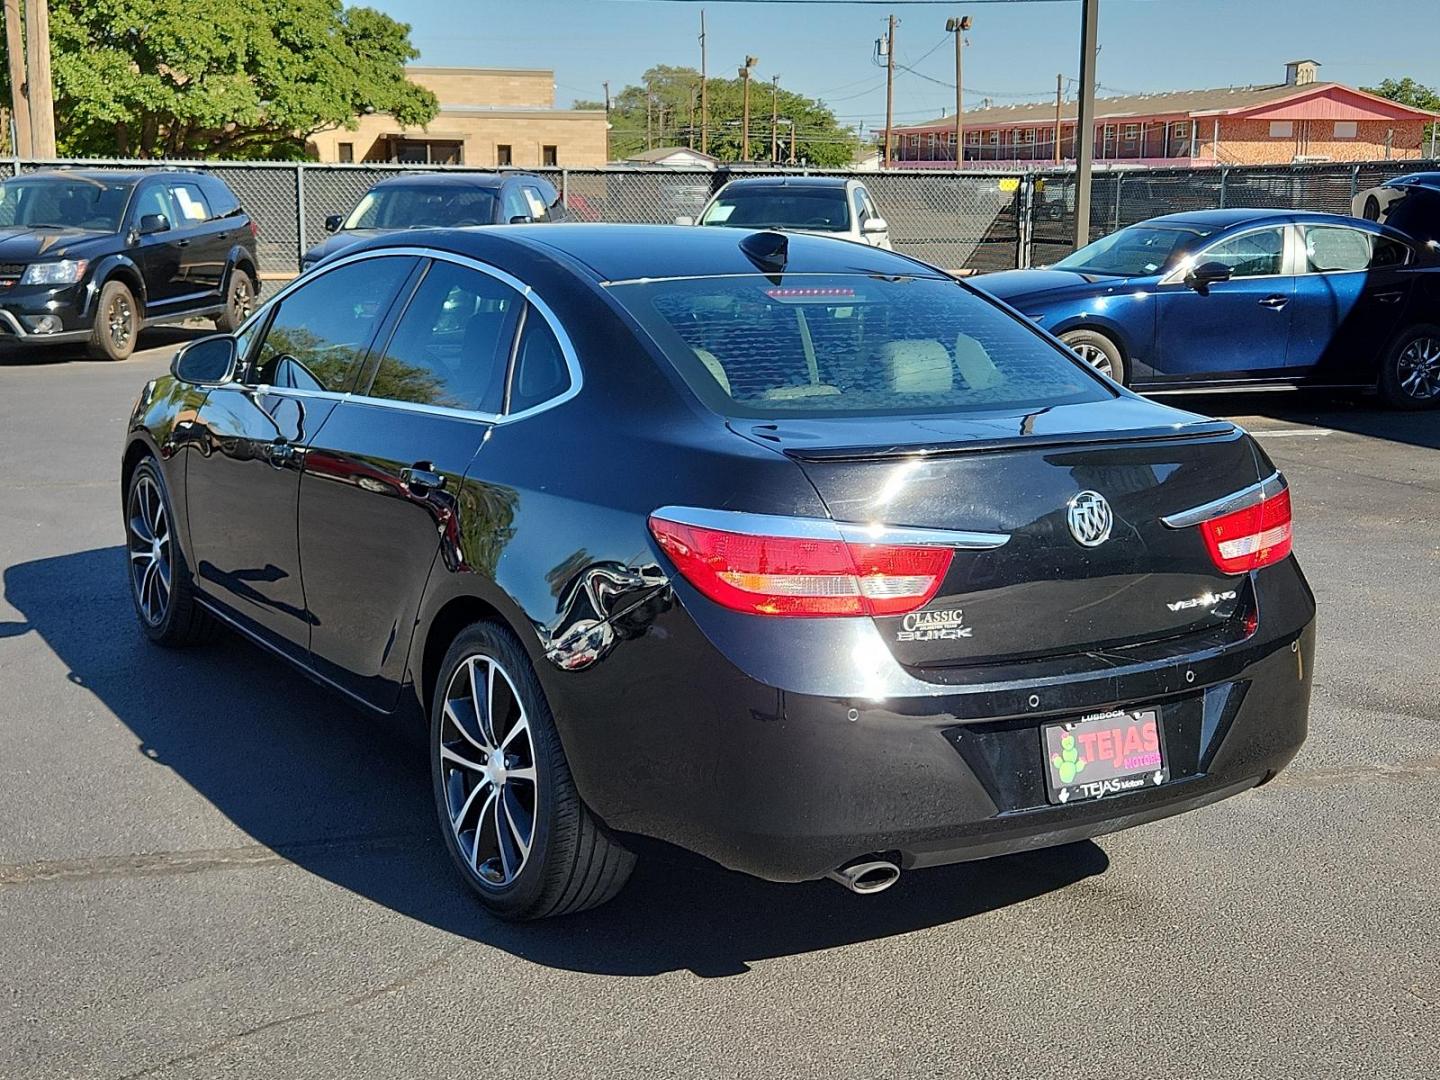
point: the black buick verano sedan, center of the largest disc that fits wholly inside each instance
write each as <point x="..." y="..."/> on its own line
<point x="791" y="552"/>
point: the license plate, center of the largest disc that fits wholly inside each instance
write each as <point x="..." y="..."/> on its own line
<point x="1103" y="754"/>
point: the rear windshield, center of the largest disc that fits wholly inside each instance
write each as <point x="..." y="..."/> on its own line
<point x="1137" y="251"/>
<point x="404" y="207"/>
<point x="818" y="209"/>
<point x="852" y="345"/>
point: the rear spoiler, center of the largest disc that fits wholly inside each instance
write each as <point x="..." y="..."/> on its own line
<point x="1209" y="429"/>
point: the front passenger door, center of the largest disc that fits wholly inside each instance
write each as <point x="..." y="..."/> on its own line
<point x="252" y="435"/>
<point x="159" y="254"/>
<point x="1236" y="329"/>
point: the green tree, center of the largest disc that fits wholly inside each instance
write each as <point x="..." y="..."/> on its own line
<point x="1417" y="95"/>
<point x="670" y="113"/>
<point x="215" y="78"/>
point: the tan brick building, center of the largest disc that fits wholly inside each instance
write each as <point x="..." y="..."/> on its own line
<point x="1301" y="119"/>
<point x="488" y="117"/>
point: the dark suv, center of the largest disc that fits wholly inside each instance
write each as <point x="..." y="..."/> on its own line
<point x="439" y="200"/>
<point x="96" y="256"/>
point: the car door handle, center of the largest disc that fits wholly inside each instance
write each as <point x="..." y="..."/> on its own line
<point x="1388" y="297"/>
<point x="1276" y="301"/>
<point x="422" y="477"/>
<point x="280" y="453"/>
<point x="182" y="243"/>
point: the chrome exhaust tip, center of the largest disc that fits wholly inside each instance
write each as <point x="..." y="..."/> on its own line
<point x="866" y="877"/>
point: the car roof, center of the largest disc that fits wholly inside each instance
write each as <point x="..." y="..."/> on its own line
<point x="452" y="179"/>
<point x="117" y="177"/>
<point x="615" y="252"/>
<point x="1415" y="179"/>
<point x="787" y="181"/>
<point x="1225" y="219"/>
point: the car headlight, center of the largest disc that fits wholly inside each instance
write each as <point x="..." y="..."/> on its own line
<point x="59" y="272"/>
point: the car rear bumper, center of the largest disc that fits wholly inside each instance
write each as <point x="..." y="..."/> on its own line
<point x="787" y="785"/>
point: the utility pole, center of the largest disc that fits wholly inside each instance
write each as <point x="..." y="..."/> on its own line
<point x="889" y="89"/>
<point x="958" y="28"/>
<point x="19" y="95"/>
<point x="606" y="85"/>
<point x="649" y="108"/>
<point x="1059" y="91"/>
<point x="1085" y="119"/>
<point x="750" y="62"/>
<point x="37" y="60"/>
<point x="774" y="118"/>
<point x="704" y="93"/>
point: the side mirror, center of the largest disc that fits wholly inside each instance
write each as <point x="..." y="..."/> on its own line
<point x="684" y="219"/>
<point x="520" y="219"/>
<point x="207" y="362"/>
<point x="153" y="223"/>
<point x="333" y="222"/>
<point x="875" y="225"/>
<point x="1201" y="277"/>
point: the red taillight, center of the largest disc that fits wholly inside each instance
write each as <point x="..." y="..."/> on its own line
<point x="254" y="229"/>
<point x="786" y="575"/>
<point x="1251" y="538"/>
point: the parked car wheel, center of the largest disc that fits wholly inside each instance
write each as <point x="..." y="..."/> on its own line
<point x="512" y="820"/>
<point x="1098" y="351"/>
<point x="240" y="294"/>
<point x="117" y="322"/>
<point x="160" y="586"/>
<point x="1410" y="376"/>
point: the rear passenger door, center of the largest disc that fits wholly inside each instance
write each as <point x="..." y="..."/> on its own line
<point x="1351" y="294"/>
<point x="379" y="490"/>
<point x="205" y="242"/>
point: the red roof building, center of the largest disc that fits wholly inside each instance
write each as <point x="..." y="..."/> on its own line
<point x="1298" y="120"/>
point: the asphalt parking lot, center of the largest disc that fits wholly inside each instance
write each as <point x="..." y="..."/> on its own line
<point x="209" y="867"/>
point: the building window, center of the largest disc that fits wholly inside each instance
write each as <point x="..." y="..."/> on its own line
<point x="502" y="154"/>
<point x="972" y="138"/>
<point x="1282" y="129"/>
<point x="1345" y="129"/>
<point x="346" y="152"/>
<point x="549" y="155"/>
<point x="1132" y="132"/>
<point x="1025" y="135"/>
<point x="994" y="137"/>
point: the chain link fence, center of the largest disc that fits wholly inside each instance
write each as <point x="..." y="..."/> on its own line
<point x="972" y="220"/>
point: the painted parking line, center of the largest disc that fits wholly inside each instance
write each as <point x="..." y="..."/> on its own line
<point x="1289" y="433"/>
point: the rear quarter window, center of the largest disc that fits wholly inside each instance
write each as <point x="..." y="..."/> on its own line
<point x="852" y="345"/>
<point x="222" y="200"/>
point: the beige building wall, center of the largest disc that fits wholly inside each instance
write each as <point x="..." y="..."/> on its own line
<point x="482" y="112"/>
<point x="1249" y="142"/>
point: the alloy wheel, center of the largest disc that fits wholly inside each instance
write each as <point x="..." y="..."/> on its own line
<point x="487" y="762"/>
<point x="120" y="321"/>
<point x="1095" y="357"/>
<point x="242" y="300"/>
<point x="1418" y="368"/>
<point x="148" y="530"/>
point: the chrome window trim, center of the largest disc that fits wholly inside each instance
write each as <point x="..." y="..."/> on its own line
<point x="919" y="271"/>
<point x="807" y="528"/>
<point x="1243" y="499"/>
<point x="1289" y="241"/>
<point x="567" y="347"/>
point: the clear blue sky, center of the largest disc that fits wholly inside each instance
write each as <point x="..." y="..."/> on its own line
<point x="1016" y="49"/>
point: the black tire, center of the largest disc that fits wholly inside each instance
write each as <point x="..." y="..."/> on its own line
<point x="1410" y="371"/>
<point x="117" y="323"/>
<point x="571" y="863"/>
<point x="1097" y="350"/>
<point x="167" y="613"/>
<point x="241" y="291"/>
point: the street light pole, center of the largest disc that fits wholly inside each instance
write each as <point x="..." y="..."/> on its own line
<point x="1085" y="119"/>
<point x="750" y="62"/>
<point x="958" y="27"/>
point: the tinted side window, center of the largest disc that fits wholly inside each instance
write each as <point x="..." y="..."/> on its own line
<point x="540" y="369"/>
<point x="320" y="332"/>
<point x="190" y="204"/>
<point x="1330" y="248"/>
<point x="514" y="204"/>
<point x="858" y="197"/>
<point x="452" y="345"/>
<point x="153" y="199"/>
<point x="539" y="209"/>
<point x="222" y="200"/>
<point x="1252" y="254"/>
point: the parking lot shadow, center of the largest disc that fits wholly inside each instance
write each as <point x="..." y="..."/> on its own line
<point x="347" y="798"/>
<point x="155" y="337"/>
<point x="1357" y="413"/>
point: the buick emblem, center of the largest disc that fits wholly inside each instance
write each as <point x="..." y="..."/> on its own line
<point x="1090" y="518"/>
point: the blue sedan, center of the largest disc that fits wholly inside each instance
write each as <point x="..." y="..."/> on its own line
<point x="1246" y="298"/>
